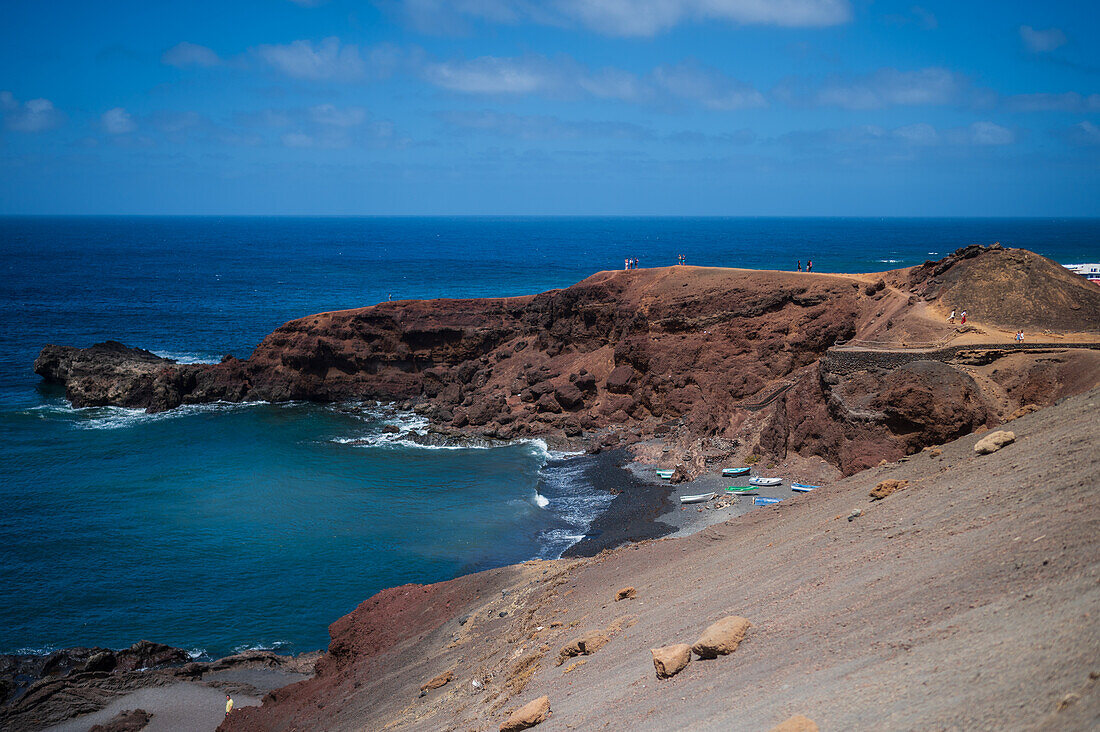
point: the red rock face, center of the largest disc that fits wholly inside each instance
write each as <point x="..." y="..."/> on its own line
<point x="624" y="355"/>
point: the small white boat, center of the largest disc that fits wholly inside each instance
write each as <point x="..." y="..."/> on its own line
<point x="803" y="488"/>
<point x="664" y="473"/>
<point x="765" y="481"/>
<point x="763" y="501"/>
<point x="702" y="497"/>
<point x="728" y="472"/>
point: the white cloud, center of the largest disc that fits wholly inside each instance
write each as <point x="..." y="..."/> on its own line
<point x="1084" y="134"/>
<point x="564" y="77"/>
<point x="625" y="17"/>
<point x="118" y="121"/>
<point x="920" y="133"/>
<point x="1066" y="102"/>
<point x="988" y="133"/>
<point x="297" y="139"/>
<point x="330" y="115"/>
<point x="304" y="60"/>
<point x="611" y="83"/>
<point x="190" y="54"/>
<point x="34" y="115"/>
<point x="884" y="88"/>
<point x="925" y="17"/>
<point x="1042" y="41"/>
<point x="709" y="87"/>
<point x="492" y="75"/>
<point x="903" y="140"/>
<point x="539" y="127"/>
<point x="649" y="17"/>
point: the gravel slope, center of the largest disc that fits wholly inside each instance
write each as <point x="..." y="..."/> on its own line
<point x="968" y="600"/>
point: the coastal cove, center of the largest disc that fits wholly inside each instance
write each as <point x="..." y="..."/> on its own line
<point x="228" y="526"/>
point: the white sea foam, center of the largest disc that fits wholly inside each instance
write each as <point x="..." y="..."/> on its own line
<point x="890" y="261"/>
<point x="260" y="646"/>
<point x="187" y="357"/>
<point x="113" y="418"/>
<point x="541" y="501"/>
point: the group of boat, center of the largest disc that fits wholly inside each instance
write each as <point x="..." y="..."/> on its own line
<point x="755" y="482"/>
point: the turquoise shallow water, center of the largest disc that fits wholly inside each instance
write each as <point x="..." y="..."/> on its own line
<point x="232" y="526"/>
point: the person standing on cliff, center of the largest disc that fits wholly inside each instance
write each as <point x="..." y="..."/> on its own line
<point x="800" y="265"/>
<point x="228" y="704"/>
<point x="809" y="265"/>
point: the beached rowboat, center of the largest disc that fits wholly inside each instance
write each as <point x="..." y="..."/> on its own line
<point x="763" y="501"/>
<point x="744" y="489"/>
<point x="666" y="474"/>
<point x="727" y="472"/>
<point x="765" y="481"/>
<point x="697" y="499"/>
<point x="802" y="487"/>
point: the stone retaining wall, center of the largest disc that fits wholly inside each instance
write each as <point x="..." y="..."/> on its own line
<point x="846" y="361"/>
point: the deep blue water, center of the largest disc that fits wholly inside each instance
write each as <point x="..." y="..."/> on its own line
<point x="231" y="526"/>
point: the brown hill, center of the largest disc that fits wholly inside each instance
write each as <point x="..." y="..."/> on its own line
<point x="1011" y="288"/>
<point x="969" y="599"/>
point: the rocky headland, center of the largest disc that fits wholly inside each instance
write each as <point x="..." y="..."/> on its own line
<point x="717" y="363"/>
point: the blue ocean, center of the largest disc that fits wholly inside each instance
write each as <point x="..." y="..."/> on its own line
<point x="225" y="527"/>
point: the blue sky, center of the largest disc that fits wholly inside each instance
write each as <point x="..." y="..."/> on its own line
<point x="677" y="107"/>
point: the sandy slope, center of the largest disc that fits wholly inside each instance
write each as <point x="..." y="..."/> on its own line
<point x="969" y="600"/>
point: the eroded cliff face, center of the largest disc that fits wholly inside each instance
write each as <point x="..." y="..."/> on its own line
<point x="623" y="356"/>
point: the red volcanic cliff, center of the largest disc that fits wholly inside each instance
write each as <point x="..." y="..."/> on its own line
<point x="690" y="351"/>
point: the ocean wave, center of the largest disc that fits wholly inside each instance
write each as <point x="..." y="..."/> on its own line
<point x="573" y="499"/>
<point x="186" y="357"/>
<point x="113" y="418"/>
<point x="541" y="501"/>
<point x="275" y="646"/>
<point x="556" y="541"/>
<point x="890" y="261"/>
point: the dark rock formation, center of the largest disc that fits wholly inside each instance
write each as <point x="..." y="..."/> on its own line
<point x="39" y="691"/>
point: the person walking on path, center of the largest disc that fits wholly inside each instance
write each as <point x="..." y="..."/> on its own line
<point x="951" y="317"/>
<point x="228" y="704"/>
<point x="963" y="316"/>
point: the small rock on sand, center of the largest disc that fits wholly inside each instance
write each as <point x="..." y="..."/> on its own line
<point x="887" y="487"/>
<point x="797" y="723"/>
<point x="722" y="637"/>
<point x="671" y="660"/>
<point x="130" y="720"/>
<point x="438" y="681"/>
<point x="585" y="645"/>
<point x="1022" y="411"/>
<point x="626" y="593"/>
<point x="994" y="441"/>
<point x="530" y="714"/>
<point x="856" y="513"/>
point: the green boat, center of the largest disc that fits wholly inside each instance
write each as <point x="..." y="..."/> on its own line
<point x="746" y="489"/>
